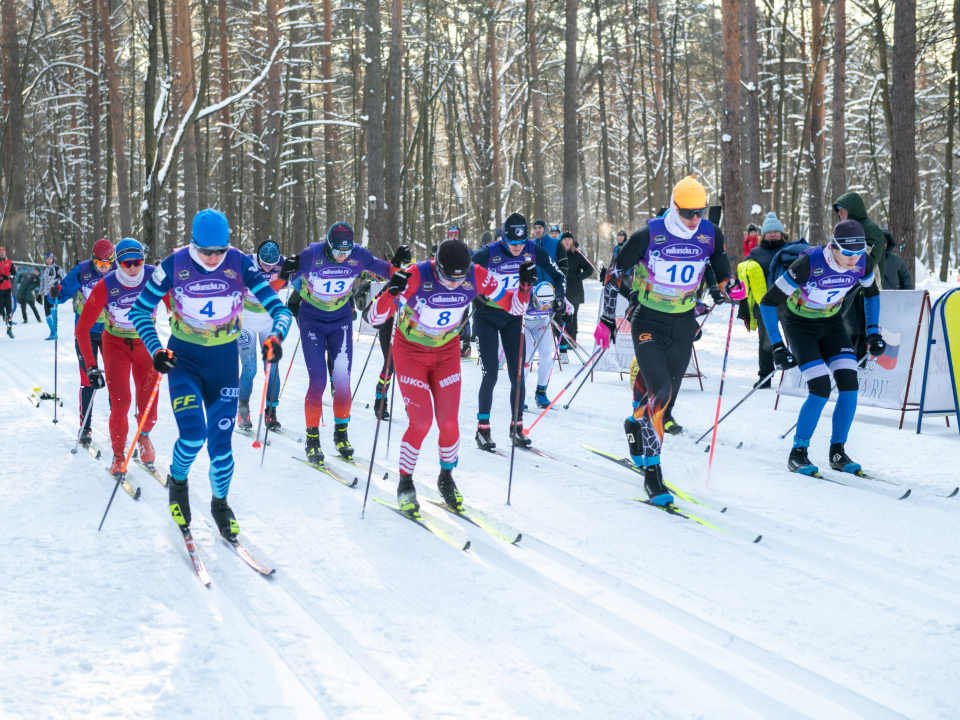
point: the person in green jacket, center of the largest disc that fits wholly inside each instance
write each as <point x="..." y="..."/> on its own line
<point x="849" y="206"/>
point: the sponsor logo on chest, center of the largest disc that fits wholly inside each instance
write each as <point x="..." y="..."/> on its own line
<point x="449" y="299"/>
<point x="207" y="287"/>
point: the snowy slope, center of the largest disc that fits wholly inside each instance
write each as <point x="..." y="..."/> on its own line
<point x="849" y="607"/>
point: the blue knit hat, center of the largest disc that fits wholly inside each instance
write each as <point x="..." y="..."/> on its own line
<point x="129" y="249"/>
<point x="210" y="229"/>
<point x="771" y="224"/>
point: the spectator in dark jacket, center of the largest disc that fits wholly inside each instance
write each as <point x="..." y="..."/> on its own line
<point x="578" y="270"/>
<point x="26" y="291"/>
<point x="896" y="276"/>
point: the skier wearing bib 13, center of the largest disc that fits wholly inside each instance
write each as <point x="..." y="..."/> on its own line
<point x="670" y="256"/>
<point x="207" y="281"/>
<point x="813" y="288"/>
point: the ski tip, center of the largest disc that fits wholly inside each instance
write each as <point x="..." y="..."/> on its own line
<point x="519" y="538"/>
<point x="386" y="475"/>
<point x="707" y="449"/>
<point x="723" y="509"/>
<point x="954" y="493"/>
<point x="905" y="495"/>
<point x="759" y="538"/>
<point x="466" y="545"/>
<point x="740" y="445"/>
<point x="136" y="495"/>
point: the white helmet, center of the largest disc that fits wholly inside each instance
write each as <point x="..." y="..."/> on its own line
<point x="542" y="296"/>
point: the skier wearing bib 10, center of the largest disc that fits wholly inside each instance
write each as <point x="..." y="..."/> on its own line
<point x="207" y="281"/>
<point x="813" y="288"/>
<point x="434" y="295"/>
<point x="670" y="256"/>
<point x="323" y="276"/>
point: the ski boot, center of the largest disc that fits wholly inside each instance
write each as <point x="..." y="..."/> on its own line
<point x="840" y="461"/>
<point x="448" y="490"/>
<point x="243" y="415"/>
<point x="798" y="461"/>
<point x="377" y="402"/>
<point x="223" y="515"/>
<point x="653" y="484"/>
<point x="53" y="329"/>
<point x="516" y="434"/>
<point x="147" y="453"/>
<point x="342" y="443"/>
<point x="407" y="496"/>
<point x="314" y="453"/>
<point x="117" y="464"/>
<point x="9" y="331"/>
<point x="179" y="501"/>
<point x="672" y="426"/>
<point x="541" y="397"/>
<point x="465" y="350"/>
<point x="564" y="359"/>
<point x="762" y="384"/>
<point x="484" y="441"/>
<point x="86" y="436"/>
<point x="270" y="417"/>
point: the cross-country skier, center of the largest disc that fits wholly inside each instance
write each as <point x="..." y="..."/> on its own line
<point x="8" y="271"/>
<point x="257" y="326"/>
<point x="52" y="275"/>
<point x="813" y="288"/>
<point x="434" y="295"/>
<point x="207" y="281"/>
<point x="493" y="326"/>
<point x="538" y="338"/>
<point x="324" y="275"/>
<point x="80" y="282"/>
<point x="123" y="352"/>
<point x="670" y="255"/>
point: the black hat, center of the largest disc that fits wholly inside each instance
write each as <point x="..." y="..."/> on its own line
<point x="453" y="259"/>
<point x="487" y="237"/>
<point x="541" y="223"/>
<point x="621" y="233"/>
<point x="849" y="235"/>
<point x="515" y="229"/>
<point x="566" y="234"/>
<point x="888" y="237"/>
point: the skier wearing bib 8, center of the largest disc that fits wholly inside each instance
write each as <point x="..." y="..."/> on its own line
<point x="813" y="288"/>
<point x="434" y="295"/>
<point x="323" y="276"/>
<point x="207" y="281"/>
<point x="670" y="256"/>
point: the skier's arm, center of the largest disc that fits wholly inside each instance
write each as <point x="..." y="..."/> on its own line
<point x="786" y="285"/>
<point x="375" y="266"/>
<point x="386" y="304"/>
<point x="141" y="314"/>
<point x="88" y="318"/>
<point x="871" y="298"/>
<point x="267" y="297"/>
<point x="546" y="263"/>
<point x="718" y="259"/>
<point x="630" y="254"/>
<point x="68" y="287"/>
<point x="482" y="257"/>
<point x="513" y="301"/>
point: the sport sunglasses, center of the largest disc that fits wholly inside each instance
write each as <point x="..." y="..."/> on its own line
<point x="213" y="251"/>
<point x="135" y="262"/>
<point x="691" y="213"/>
<point x="849" y="253"/>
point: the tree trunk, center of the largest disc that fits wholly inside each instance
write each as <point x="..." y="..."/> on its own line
<point x="274" y="124"/>
<point x="151" y="194"/>
<point x="296" y="240"/>
<point x="426" y="141"/>
<point x="185" y="90"/>
<point x="395" y="125"/>
<point x="604" y="132"/>
<point x="779" y="187"/>
<point x="373" y="101"/>
<point x="753" y="198"/>
<point x="257" y="169"/>
<point x="948" y="153"/>
<point x="226" y="136"/>
<point x="660" y="192"/>
<point x="731" y="197"/>
<point x="116" y="117"/>
<point x="91" y="79"/>
<point x="903" y="165"/>
<point x="838" y="163"/>
<point x="884" y="67"/>
<point x="494" y="113"/>
<point x="570" y="149"/>
<point x="330" y="140"/>
<point x="14" y="233"/>
<point x="539" y="193"/>
<point x="815" y="201"/>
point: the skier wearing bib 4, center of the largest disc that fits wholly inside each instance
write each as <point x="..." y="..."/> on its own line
<point x="123" y="352"/>
<point x="538" y="338"/>
<point x="434" y="295"/>
<point x="323" y="276"/>
<point x="670" y="256"/>
<point x="257" y="326"/>
<point x="503" y="258"/>
<point x="813" y="288"/>
<point x="207" y="281"/>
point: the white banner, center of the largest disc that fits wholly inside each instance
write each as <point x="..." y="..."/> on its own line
<point x="939" y="390"/>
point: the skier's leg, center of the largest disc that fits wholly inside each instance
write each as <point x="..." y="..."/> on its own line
<point x="413" y="364"/>
<point x="187" y="401"/>
<point x="386" y="373"/>
<point x="340" y="359"/>
<point x="488" y="347"/>
<point x="220" y="401"/>
<point x="116" y="369"/>
<point x="511" y="338"/>
<point x="445" y="386"/>
<point x="544" y="340"/>
<point x="247" y="348"/>
<point x="144" y="380"/>
<point x="314" y="342"/>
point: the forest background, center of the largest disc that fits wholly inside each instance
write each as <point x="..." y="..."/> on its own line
<point x="124" y="117"/>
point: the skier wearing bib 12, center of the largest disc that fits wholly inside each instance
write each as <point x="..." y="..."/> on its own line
<point x="813" y="288"/>
<point x="434" y="295"/>
<point x="257" y="326"/>
<point x="670" y="256"/>
<point x="207" y="281"/>
<point x="323" y="276"/>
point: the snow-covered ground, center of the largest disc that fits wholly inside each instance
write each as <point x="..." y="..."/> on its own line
<point x="849" y="607"/>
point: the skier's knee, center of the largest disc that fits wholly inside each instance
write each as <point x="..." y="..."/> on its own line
<point x="819" y="386"/>
<point x="846" y="380"/>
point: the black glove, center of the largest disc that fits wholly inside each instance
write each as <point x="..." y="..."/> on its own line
<point x="876" y="344"/>
<point x="402" y="256"/>
<point x="164" y="360"/>
<point x="289" y="267"/>
<point x="782" y="358"/>
<point x="398" y="283"/>
<point x="698" y="335"/>
<point x="95" y="376"/>
<point x="55" y="292"/>
<point x="717" y="295"/>
<point x="293" y="304"/>
<point x="528" y="273"/>
<point x="272" y="351"/>
<point x="559" y="306"/>
<point x="4" y="278"/>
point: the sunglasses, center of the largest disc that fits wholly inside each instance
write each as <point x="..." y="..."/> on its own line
<point x="340" y="253"/>
<point x="136" y="262"/>
<point x="691" y="213"/>
<point x="103" y="263"/>
<point x="849" y="253"/>
<point x="213" y="251"/>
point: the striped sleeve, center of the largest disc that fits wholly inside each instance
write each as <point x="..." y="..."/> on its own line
<point x="141" y="314"/>
<point x="267" y="297"/>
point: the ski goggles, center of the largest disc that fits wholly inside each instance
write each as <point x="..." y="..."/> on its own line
<point x="132" y="262"/>
<point x="103" y="264"/>
<point x="212" y="251"/>
<point x="853" y="250"/>
<point x="691" y="213"/>
<point x="340" y="253"/>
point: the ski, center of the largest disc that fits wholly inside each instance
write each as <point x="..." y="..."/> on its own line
<point x="672" y="509"/>
<point x="36" y="395"/>
<point x="836" y="476"/>
<point x="494" y="451"/>
<point x="443" y="530"/>
<point x="327" y="471"/>
<point x="247" y="433"/>
<point x="131" y="488"/>
<point x="151" y="469"/>
<point x="237" y="546"/>
<point x="195" y="558"/>
<point x="483" y="521"/>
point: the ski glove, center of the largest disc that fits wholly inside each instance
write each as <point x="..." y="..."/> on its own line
<point x="782" y="357"/>
<point x="272" y="351"/>
<point x="717" y="295"/>
<point x="95" y="376"/>
<point x="398" y="283"/>
<point x="55" y="292"/>
<point x="606" y="332"/>
<point x="528" y="274"/>
<point x="559" y="307"/>
<point x="402" y="256"/>
<point x="876" y="344"/>
<point x="735" y="290"/>
<point x="289" y="267"/>
<point x="164" y="360"/>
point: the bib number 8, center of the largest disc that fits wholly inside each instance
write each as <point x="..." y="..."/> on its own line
<point x="444" y="319"/>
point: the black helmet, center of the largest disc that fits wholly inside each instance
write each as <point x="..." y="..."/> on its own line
<point x="453" y="259"/>
<point x="340" y="237"/>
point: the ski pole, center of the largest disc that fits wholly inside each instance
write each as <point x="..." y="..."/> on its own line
<point x="556" y="352"/>
<point x="752" y="391"/>
<point x="583" y="382"/>
<point x="596" y="354"/>
<point x="376" y="432"/>
<point x="833" y="386"/>
<point x="373" y="342"/>
<point x="517" y="409"/>
<point x="123" y="470"/>
<point x="263" y="405"/>
<point x="86" y="417"/>
<point x="289" y="369"/>
<point x="573" y="343"/>
<point x="723" y="375"/>
<point x="393" y="387"/>
<point x="56" y="341"/>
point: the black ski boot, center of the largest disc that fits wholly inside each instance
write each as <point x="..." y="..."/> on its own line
<point x="342" y="443"/>
<point x="672" y="426"/>
<point x="314" y="453"/>
<point x="223" y="516"/>
<point x="270" y="418"/>
<point x="653" y="484"/>
<point x="840" y="461"/>
<point x="377" y="402"/>
<point x="484" y="441"/>
<point x="86" y="436"/>
<point x="798" y="462"/>
<point x="519" y="439"/>
<point x="407" y="496"/>
<point x="465" y="350"/>
<point x="448" y="490"/>
<point x="763" y="383"/>
<point x="243" y="415"/>
<point x="179" y="501"/>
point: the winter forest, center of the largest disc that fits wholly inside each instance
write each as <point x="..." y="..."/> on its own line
<point x="124" y="117"/>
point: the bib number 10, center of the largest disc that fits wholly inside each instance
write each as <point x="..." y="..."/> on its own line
<point x="680" y="273"/>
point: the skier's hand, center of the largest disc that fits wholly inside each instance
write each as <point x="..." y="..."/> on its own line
<point x="632" y="303"/>
<point x="272" y="350"/>
<point x="402" y="256"/>
<point x="782" y="358"/>
<point x="289" y="267"/>
<point x="164" y="360"/>
<point x="95" y="376"/>
<point x="876" y="344"/>
<point x="606" y="332"/>
<point x="559" y="307"/>
<point x="528" y="274"/>
<point x="398" y="283"/>
<point x="717" y="295"/>
<point x="55" y="292"/>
